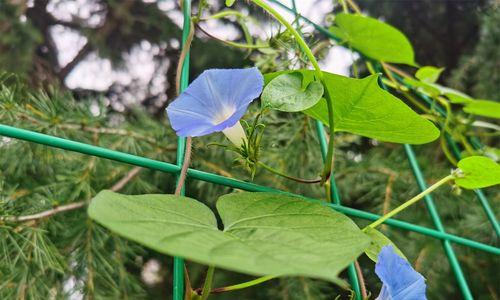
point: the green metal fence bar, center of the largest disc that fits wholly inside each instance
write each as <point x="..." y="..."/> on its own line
<point x="456" y="152"/>
<point x="178" y="271"/>
<point x="351" y="269"/>
<point x="432" y="210"/>
<point x="152" y="164"/>
<point x="477" y="145"/>
<point x="455" y="265"/>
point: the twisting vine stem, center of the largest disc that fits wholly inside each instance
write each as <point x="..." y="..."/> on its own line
<point x="185" y="165"/>
<point x="207" y="286"/>
<point x="319" y="76"/>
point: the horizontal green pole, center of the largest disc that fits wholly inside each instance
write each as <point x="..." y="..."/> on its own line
<point x="135" y="160"/>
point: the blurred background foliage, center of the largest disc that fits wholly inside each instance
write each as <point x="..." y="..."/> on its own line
<point x="66" y="256"/>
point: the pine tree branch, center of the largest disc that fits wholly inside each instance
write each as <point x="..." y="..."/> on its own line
<point x="81" y="55"/>
<point x="75" y="205"/>
<point x="47" y="213"/>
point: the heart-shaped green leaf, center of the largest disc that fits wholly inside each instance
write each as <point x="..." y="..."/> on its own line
<point x="429" y="74"/>
<point x="485" y="108"/>
<point x="378" y="241"/>
<point x="360" y="106"/>
<point x="478" y="172"/>
<point x="264" y="233"/>
<point x="373" y="38"/>
<point x="286" y="92"/>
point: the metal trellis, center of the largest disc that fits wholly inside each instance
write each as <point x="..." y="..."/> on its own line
<point x="178" y="292"/>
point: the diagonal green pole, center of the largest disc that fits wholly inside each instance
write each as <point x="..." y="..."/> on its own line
<point x="456" y="152"/>
<point x="431" y="208"/>
<point x="178" y="284"/>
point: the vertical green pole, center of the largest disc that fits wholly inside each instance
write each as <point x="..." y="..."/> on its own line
<point x="457" y="270"/>
<point x="351" y="270"/>
<point x="178" y="293"/>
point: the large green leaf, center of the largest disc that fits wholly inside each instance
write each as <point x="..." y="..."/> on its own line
<point x="478" y="172"/>
<point x="378" y="241"/>
<point x="286" y="92"/>
<point x="360" y="106"/>
<point x="373" y="38"/>
<point x="264" y="233"/>
<point x="483" y="108"/>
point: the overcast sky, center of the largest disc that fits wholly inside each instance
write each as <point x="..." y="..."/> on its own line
<point x="98" y="74"/>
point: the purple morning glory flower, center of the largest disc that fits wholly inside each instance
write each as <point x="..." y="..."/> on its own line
<point x="215" y="101"/>
<point x="400" y="280"/>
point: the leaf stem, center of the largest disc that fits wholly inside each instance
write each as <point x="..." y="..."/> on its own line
<point x="223" y="14"/>
<point x="230" y="43"/>
<point x="411" y="201"/>
<point x="243" y="285"/>
<point x="354" y="6"/>
<point x="207" y="286"/>
<point x="272" y="170"/>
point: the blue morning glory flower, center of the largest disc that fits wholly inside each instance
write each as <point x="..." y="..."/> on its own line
<point x="216" y="101"/>
<point x="400" y="280"/>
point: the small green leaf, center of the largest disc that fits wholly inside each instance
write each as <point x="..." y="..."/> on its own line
<point x="264" y="233"/>
<point x="230" y="3"/>
<point x="478" y="172"/>
<point x="483" y="108"/>
<point x="429" y="74"/>
<point x="434" y="90"/>
<point x="373" y="38"/>
<point x="378" y="241"/>
<point x="427" y="88"/>
<point x="287" y="93"/>
<point x="456" y="97"/>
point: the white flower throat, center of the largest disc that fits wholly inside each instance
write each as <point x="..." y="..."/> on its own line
<point x="236" y="133"/>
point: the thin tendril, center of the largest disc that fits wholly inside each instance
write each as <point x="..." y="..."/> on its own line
<point x="272" y="170"/>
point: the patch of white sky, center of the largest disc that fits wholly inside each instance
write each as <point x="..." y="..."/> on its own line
<point x="139" y="66"/>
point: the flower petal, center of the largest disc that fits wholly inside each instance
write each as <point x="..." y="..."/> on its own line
<point x="214" y="101"/>
<point x="400" y="280"/>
